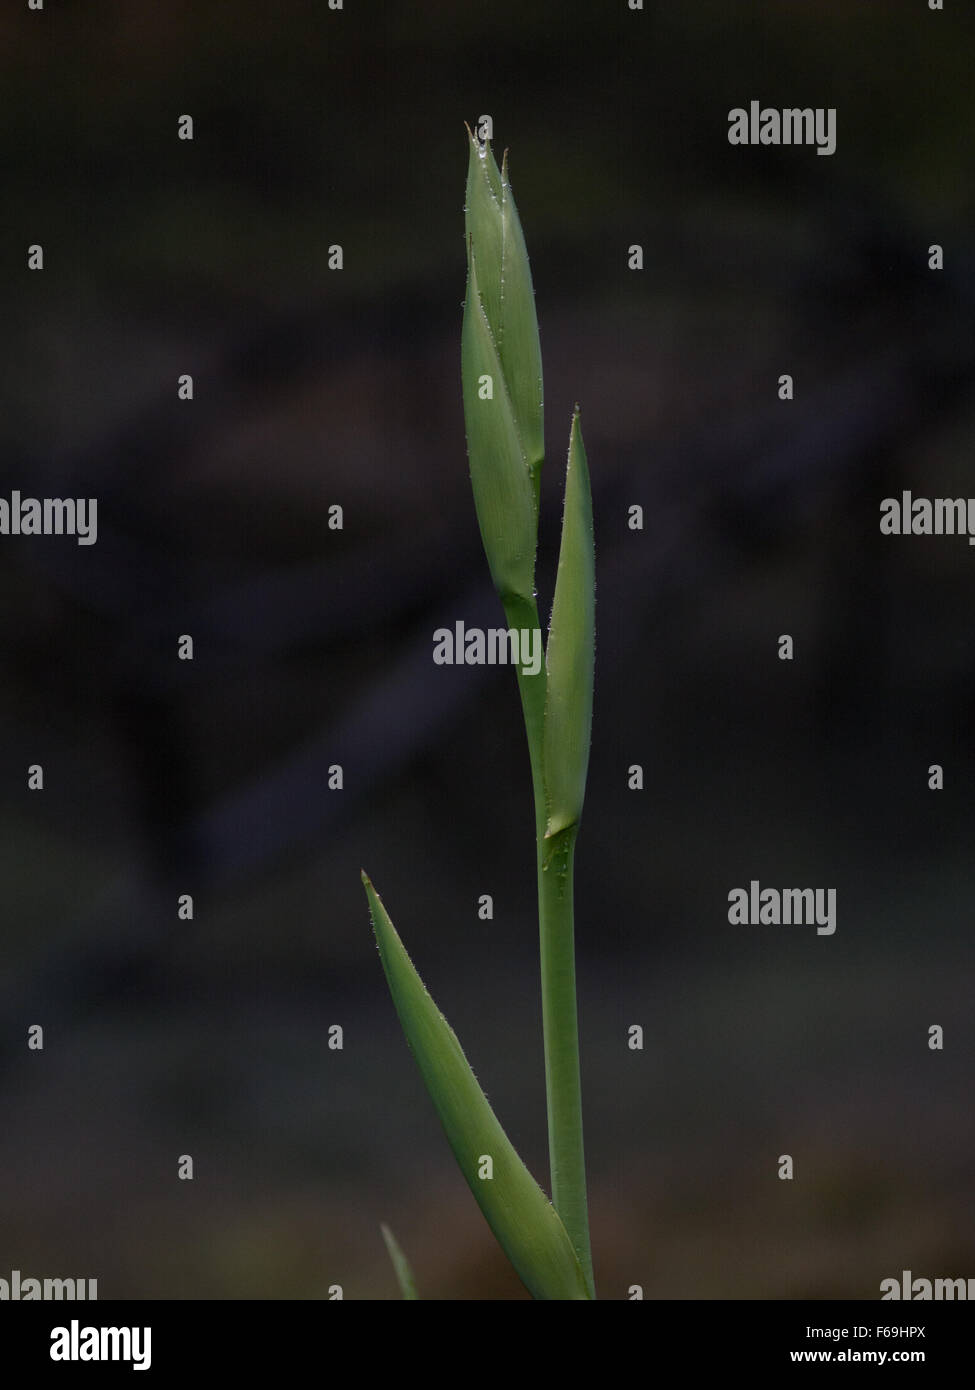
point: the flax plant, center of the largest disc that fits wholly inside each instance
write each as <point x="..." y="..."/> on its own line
<point x="546" y="1241"/>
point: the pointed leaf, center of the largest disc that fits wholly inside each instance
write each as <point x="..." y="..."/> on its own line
<point x="503" y="496"/>
<point x="504" y="285"/>
<point x="401" y="1265"/>
<point x="518" y="1212"/>
<point x="483" y="224"/>
<point x="519" y="346"/>
<point x="494" y="230"/>
<point x="570" y="651"/>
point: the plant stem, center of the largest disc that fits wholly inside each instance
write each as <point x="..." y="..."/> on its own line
<point x="554" y="861"/>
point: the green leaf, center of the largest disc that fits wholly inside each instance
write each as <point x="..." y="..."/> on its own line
<point x="570" y="652"/>
<point x="483" y="227"/>
<point x="518" y="1212"/>
<point x="501" y="342"/>
<point x="401" y="1265"/>
<point x="503" y="495"/>
<point x="507" y="296"/>
<point x="519" y="345"/>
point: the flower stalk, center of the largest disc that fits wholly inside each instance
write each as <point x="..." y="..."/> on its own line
<point x="501" y="371"/>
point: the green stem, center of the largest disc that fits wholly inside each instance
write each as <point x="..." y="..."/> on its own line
<point x="554" y="866"/>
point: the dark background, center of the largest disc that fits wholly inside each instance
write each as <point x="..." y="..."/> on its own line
<point x="315" y="387"/>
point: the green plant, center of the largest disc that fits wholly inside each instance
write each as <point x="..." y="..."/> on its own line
<point x="501" y="369"/>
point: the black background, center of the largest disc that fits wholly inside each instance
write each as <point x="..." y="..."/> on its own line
<point x="313" y="387"/>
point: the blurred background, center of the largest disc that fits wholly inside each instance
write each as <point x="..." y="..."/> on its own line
<point x="316" y="387"/>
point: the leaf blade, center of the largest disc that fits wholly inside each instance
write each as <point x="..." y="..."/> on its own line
<point x="523" y="1220"/>
<point x="520" y="346"/>
<point x="506" y="347"/>
<point x="503" y="496"/>
<point x="401" y="1265"/>
<point x="483" y="225"/>
<point x="570" y="652"/>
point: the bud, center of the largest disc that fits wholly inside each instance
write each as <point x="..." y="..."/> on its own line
<point x="505" y="442"/>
